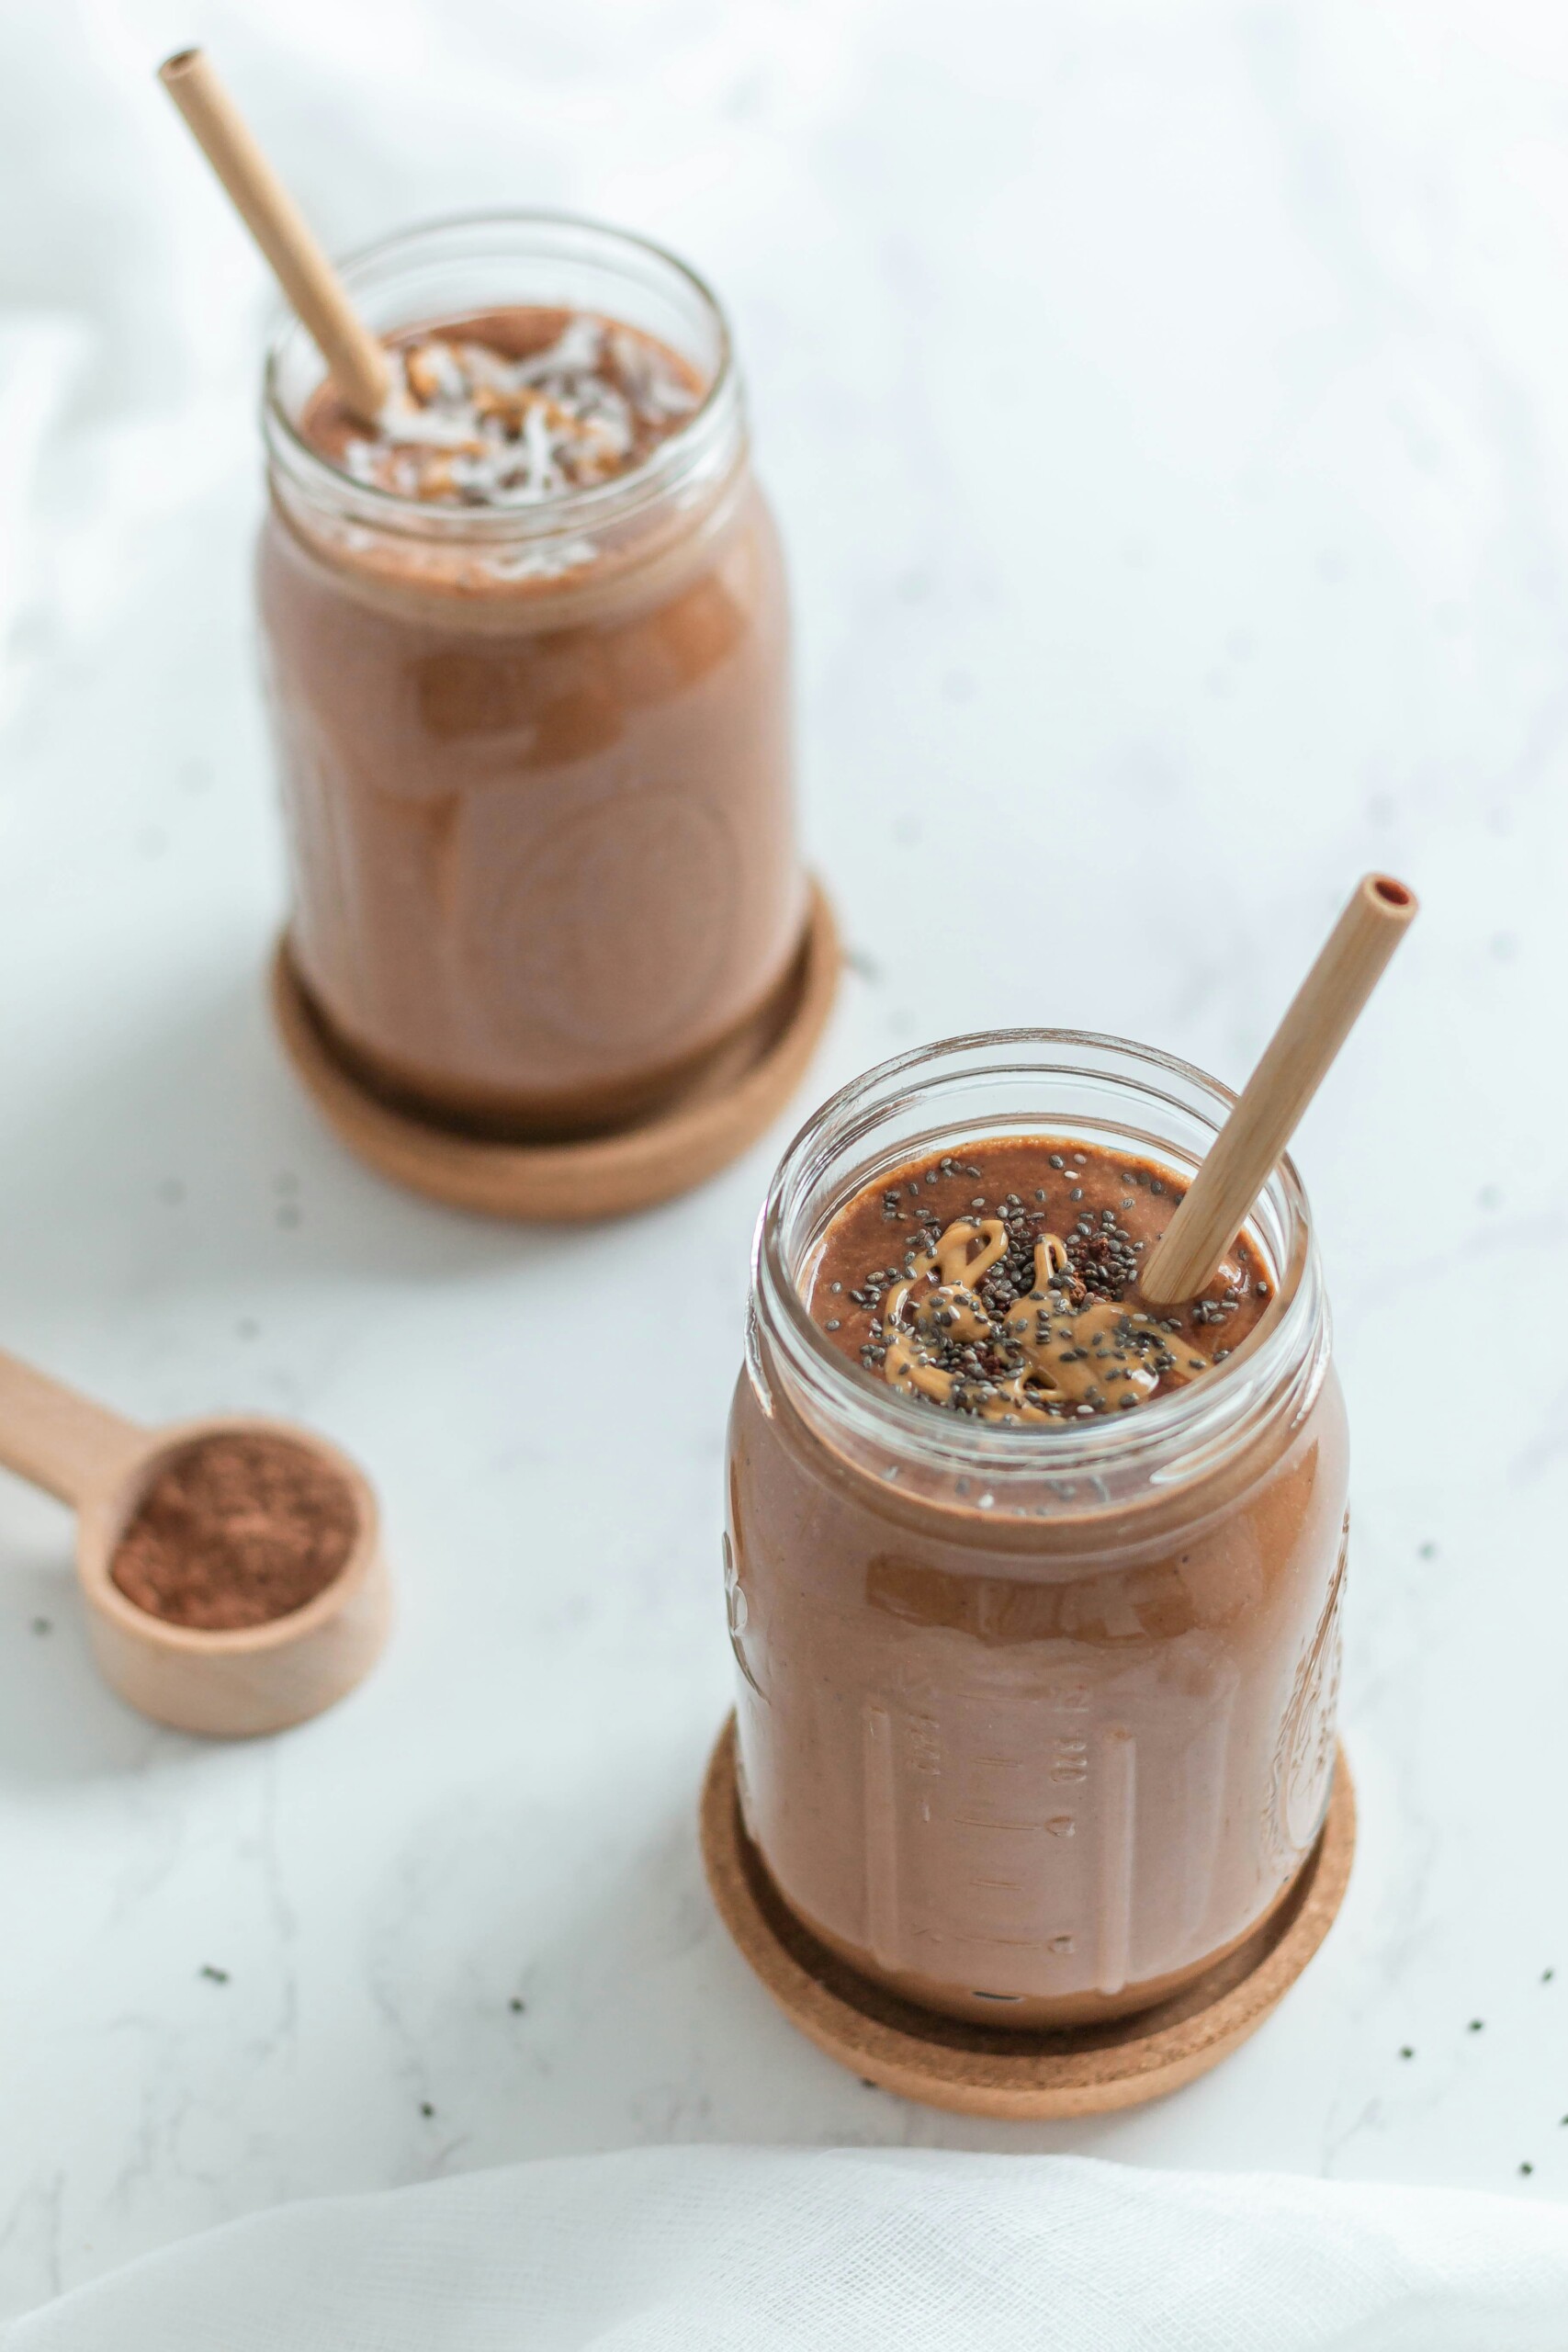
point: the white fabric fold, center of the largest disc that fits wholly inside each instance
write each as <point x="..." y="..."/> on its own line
<point x="712" y="2249"/>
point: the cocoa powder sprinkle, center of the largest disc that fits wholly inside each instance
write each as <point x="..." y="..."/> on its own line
<point x="235" y="1529"/>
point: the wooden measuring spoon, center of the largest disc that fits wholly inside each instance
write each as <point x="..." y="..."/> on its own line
<point x="229" y="1684"/>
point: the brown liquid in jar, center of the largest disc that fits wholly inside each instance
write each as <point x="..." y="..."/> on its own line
<point x="1032" y="1771"/>
<point x="540" y="822"/>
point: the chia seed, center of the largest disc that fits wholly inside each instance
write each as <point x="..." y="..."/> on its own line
<point x="1140" y="1353"/>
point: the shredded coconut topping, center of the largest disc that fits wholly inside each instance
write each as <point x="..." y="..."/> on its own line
<point x="467" y="426"/>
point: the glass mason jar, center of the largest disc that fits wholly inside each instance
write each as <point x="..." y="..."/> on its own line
<point x="1036" y="1725"/>
<point x="536" y="759"/>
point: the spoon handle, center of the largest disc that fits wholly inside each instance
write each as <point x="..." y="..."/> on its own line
<point x="57" y="1438"/>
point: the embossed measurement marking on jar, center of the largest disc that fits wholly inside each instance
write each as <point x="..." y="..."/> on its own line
<point x="1046" y="1880"/>
<point x="880" y="1803"/>
<point x="1118" y="1760"/>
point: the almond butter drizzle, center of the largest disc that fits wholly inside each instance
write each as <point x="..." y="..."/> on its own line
<point x="1093" y="1357"/>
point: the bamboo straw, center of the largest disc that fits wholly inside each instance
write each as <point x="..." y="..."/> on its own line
<point x="355" y="360"/>
<point x="1294" y="1063"/>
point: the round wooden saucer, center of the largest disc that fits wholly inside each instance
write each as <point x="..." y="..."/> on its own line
<point x="679" y="1148"/>
<point x="943" y="2062"/>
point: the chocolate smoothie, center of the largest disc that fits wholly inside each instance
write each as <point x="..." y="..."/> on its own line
<point x="1033" y="1591"/>
<point x="1012" y="1293"/>
<point x="527" y="658"/>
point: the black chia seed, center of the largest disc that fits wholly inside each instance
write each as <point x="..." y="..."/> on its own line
<point x="1103" y="1265"/>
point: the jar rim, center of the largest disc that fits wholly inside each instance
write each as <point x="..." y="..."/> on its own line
<point x="1166" y="1441"/>
<point x="663" y="470"/>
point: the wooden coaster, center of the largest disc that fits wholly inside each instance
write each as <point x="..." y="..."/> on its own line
<point x="941" y="2061"/>
<point x="678" y="1148"/>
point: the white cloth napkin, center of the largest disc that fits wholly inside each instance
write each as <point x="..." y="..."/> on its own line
<point x="709" y="2249"/>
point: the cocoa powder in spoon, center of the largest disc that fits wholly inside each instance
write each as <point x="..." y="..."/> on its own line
<point x="235" y="1529"/>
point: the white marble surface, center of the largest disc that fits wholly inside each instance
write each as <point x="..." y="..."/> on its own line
<point x="1167" y="408"/>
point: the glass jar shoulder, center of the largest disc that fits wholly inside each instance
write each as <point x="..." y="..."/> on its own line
<point x="448" y="584"/>
<point x="1266" y="1524"/>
